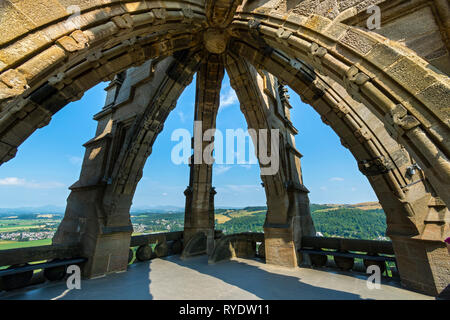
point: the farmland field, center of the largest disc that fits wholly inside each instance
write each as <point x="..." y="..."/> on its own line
<point x="4" y="245"/>
<point x="360" y="221"/>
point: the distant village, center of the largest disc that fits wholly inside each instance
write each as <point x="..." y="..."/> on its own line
<point x="26" y="235"/>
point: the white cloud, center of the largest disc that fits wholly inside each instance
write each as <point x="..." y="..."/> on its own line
<point x="228" y="99"/>
<point x="221" y="169"/>
<point x="12" y="181"/>
<point x="165" y="194"/>
<point x="243" y="187"/>
<point x="75" y="160"/>
<point x="182" y="116"/>
<point x="19" y="182"/>
<point x="337" y="179"/>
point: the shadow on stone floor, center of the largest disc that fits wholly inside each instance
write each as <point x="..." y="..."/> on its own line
<point x="264" y="284"/>
<point x="194" y="278"/>
<point x="445" y="294"/>
<point x="130" y="285"/>
<point x="385" y="281"/>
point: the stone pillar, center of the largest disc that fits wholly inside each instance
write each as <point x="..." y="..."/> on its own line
<point x="88" y="212"/>
<point x="199" y="212"/>
<point x="288" y="217"/>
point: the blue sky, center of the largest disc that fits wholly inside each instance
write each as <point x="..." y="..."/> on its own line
<point x="50" y="160"/>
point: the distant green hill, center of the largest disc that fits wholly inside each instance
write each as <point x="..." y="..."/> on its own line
<point x="330" y="220"/>
<point x="351" y="223"/>
<point x="255" y="208"/>
<point x="249" y="223"/>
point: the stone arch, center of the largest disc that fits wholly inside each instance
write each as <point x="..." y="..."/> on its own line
<point x="65" y="59"/>
<point x="288" y="216"/>
<point x="55" y="59"/>
<point x="407" y="200"/>
<point x="360" y="131"/>
<point x="48" y="60"/>
<point x="97" y="213"/>
<point x="199" y="208"/>
<point x="413" y="107"/>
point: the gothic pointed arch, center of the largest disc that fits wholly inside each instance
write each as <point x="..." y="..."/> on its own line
<point x="388" y="101"/>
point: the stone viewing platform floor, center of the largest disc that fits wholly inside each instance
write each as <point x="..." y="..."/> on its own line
<point x="192" y="279"/>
